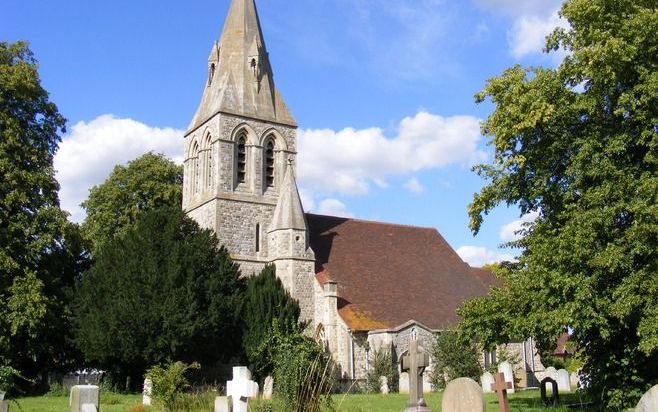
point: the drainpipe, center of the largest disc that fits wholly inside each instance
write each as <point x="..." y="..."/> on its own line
<point x="352" y="366"/>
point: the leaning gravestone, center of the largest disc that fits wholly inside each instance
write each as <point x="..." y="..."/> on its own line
<point x="551" y="372"/>
<point x="383" y="385"/>
<point x="487" y="380"/>
<point x="649" y="401"/>
<point x="223" y="404"/>
<point x="268" y="387"/>
<point x="147" y="391"/>
<point x="506" y="369"/>
<point x="463" y="395"/>
<point x="563" y="381"/>
<point x="241" y="389"/>
<point x="84" y="398"/>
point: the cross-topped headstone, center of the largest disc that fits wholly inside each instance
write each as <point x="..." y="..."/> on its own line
<point x="415" y="363"/>
<point x="241" y="389"/>
<point x="501" y="386"/>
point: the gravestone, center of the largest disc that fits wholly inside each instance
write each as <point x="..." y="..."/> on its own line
<point x="574" y="379"/>
<point x="563" y="381"/>
<point x="501" y="386"/>
<point x="415" y="363"/>
<point x="147" y="391"/>
<point x="383" y="385"/>
<point x="4" y="406"/>
<point x="463" y="395"/>
<point x="268" y="387"/>
<point x="551" y="372"/>
<point x="487" y="380"/>
<point x="84" y="398"/>
<point x="649" y="401"/>
<point x="554" y="400"/>
<point x="223" y="404"/>
<point x="241" y="389"/>
<point x="403" y="384"/>
<point x="506" y="369"/>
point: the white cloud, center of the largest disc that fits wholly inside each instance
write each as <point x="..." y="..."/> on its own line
<point x="521" y="7"/>
<point x="350" y="160"/>
<point x="479" y="256"/>
<point x="90" y="151"/>
<point x="413" y="185"/>
<point x="333" y="207"/>
<point x="510" y="232"/>
<point x="528" y="34"/>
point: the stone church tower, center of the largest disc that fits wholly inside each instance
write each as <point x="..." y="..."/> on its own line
<point x="240" y="150"/>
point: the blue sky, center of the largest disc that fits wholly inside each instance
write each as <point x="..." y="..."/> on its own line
<point x="382" y="91"/>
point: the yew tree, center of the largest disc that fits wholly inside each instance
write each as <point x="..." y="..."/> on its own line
<point x="579" y="145"/>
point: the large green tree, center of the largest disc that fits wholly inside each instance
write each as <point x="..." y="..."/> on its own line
<point x="579" y="144"/>
<point x="164" y="290"/>
<point x="148" y="182"/>
<point x="40" y="252"/>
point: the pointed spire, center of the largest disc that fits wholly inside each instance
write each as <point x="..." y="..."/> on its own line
<point x="289" y="212"/>
<point x="240" y="80"/>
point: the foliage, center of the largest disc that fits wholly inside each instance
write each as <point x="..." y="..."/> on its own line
<point x="505" y="355"/>
<point x="164" y="290"/>
<point x="454" y="357"/>
<point x="302" y="369"/>
<point x="381" y="364"/>
<point x="169" y="382"/>
<point x="40" y="252"/>
<point x="148" y="182"/>
<point x="579" y="145"/>
<point x="265" y="299"/>
<point x="7" y="376"/>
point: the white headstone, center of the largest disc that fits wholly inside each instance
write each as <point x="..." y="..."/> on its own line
<point x="147" y="392"/>
<point x="4" y="406"/>
<point x="463" y="395"/>
<point x="551" y="372"/>
<point x="383" y="385"/>
<point x="649" y="401"/>
<point x="404" y="383"/>
<point x="506" y="369"/>
<point x="84" y="398"/>
<point x="563" y="381"/>
<point x="574" y="379"/>
<point x="487" y="380"/>
<point x="268" y="387"/>
<point x="223" y="404"/>
<point x="241" y="389"/>
<point x="427" y="382"/>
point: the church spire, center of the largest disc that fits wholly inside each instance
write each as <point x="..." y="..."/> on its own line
<point x="240" y="78"/>
<point x="289" y="212"/>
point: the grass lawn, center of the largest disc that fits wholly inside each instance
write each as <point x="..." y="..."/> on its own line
<point x="527" y="401"/>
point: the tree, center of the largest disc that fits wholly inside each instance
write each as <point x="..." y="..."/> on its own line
<point x="265" y="299"/>
<point x="579" y="145"/>
<point x="454" y="358"/>
<point x="163" y="291"/>
<point x="148" y="182"/>
<point x="40" y="252"/>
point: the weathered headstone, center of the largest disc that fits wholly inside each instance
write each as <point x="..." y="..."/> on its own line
<point x="487" y="380"/>
<point x="574" y="379"/>
<point x="463" y="395"/>
<point x="551" y="372"/>
<point x="501" y="386"/>
<point x="415" y="363"/>
<point x="4" y="406"/>
<point x="241" y="389"/>
<point x="403" y="384"/>
<point x="268" y="387"/>
<point x="223" y="404"/>
<point x="649" y="401"/>
<point x="383" y="385"/>
<point x="563" y="381"/>
<point x="147" y="391"/>
<point x="84" y="398"/>
<point x="554" y="400"/>
<point x="506" y="369"/>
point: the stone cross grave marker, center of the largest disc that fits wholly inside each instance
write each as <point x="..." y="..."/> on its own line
<point x="147" y="391"/>
<point x="506" y="368"/>
<point x="463" y="395"/>
<point x="84" y="398"/>
<point x="649" y="401"/>
<point x="268" y="387"/>
<point x="501" y="385"/>
<point x="415" y="363"/>
<point x="241" y="389"/>
<point x="487" y="380"/>
<point x="563" y="381"/>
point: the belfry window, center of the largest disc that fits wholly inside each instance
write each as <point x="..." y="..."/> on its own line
<point x="269" y="164"/>
<point x="241" y="160"/>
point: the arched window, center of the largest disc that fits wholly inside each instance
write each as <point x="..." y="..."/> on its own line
<point x="269" y="164"/>
<point x="211" y="73"/>
<point x="257" y="237"/>
<point x="196" y="175"/>
<point x="209" y="162"/>
<point x="241" y="159"/>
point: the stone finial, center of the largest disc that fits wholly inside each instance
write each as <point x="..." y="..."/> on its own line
<point x="289" y="212"/>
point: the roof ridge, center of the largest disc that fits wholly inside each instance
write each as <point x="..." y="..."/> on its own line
<point x="377" y="222"/>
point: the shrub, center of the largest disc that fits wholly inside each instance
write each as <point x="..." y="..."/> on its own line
<point x="7" y="378"/>
<point x="169" y="382"/>
<point x="453" y="358"/>
<point x="381" y="364"/>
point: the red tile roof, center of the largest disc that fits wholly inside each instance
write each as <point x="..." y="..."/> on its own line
<point x="389" y="274"/>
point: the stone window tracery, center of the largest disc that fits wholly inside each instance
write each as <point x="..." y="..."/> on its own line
<point x="269" y="163"/>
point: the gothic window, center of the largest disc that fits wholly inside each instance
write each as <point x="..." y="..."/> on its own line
<point x="209" y="162"/>
<point x="257" y="237"/>
<point x="195" y="167"/>
<point x="241" y="159"/>
<point x="269" y="164"/>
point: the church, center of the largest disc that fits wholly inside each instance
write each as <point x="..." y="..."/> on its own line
<point x="362" y="285"/>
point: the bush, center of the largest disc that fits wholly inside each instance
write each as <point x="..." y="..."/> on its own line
<point x="7" y="378"/>
<point x="454" y="358"/>
<point x="169" y="382"/>
<point x="381" y="364"/>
